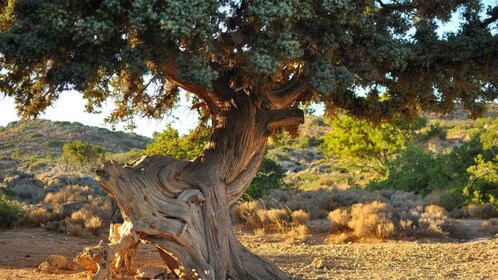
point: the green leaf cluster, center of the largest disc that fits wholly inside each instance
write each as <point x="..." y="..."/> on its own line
<point x="134" y="52"/>
<point x="466" y="174"/>
<point x="11" y="212"/>
<point x="170" y="143"/>
<point x="270" y="176"/>
<point x="80" y="155"/>
<point x="367" y="144"/>
<point x="483" y="184"/>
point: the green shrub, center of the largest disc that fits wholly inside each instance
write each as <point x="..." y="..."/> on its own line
<point x="368" y="145"/>
<point x="434" y="130"/>
<point x="170" y="143"/>
<point x="269" y="176"/>
<point x="483" y="184"/>
<point x="80" y="155"/>
<point x="11" y="212"/>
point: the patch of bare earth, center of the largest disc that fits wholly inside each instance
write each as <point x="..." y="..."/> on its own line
<point x="21" y="250"/>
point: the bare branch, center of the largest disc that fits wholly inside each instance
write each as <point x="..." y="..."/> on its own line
<point x="285" y="117"/>
<point x="287" y="94"/>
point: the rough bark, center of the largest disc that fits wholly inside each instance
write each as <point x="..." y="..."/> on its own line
<point x="182" y="206"/>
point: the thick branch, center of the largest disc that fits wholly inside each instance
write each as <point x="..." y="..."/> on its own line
<point x="287" y="94"/>
<point x="493" y="18"/>
<point x="396" y="6"/>
<point x="285" y="117"/>
<point x="170" y="70"/>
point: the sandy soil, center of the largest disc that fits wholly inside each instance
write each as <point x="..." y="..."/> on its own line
<point x="21" y="250"/>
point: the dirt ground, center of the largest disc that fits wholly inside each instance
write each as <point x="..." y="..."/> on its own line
<point x="21" y="250"/>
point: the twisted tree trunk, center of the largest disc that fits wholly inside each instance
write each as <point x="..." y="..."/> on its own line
<point x="183" y="207"/>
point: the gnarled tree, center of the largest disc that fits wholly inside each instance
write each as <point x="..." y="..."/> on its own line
<point x="248" y="65"/>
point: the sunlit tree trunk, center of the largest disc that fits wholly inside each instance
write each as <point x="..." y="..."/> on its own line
<point x="183" y="207"/>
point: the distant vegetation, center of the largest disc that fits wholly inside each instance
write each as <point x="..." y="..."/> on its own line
<point x="367" y="180"/>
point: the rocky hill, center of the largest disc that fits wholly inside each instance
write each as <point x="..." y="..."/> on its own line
<point x="36" y="145"/>
<point x="46" y="138"/>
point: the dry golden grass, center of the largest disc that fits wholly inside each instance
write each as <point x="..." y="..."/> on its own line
<point x="300" y="217"/>
<point x="372" y="220"/>
<point x="484" y="211"/>
<point x="339" y="219"/>
<point x="39" y="216"/>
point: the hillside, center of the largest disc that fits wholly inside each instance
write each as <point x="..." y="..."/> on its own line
<point x="46" y="138"/>
<point x="35" y="145"/>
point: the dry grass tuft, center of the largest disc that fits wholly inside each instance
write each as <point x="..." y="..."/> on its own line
<point x="372" y="220"/>
<point x="339" y="219"/>
<point x="299" y="231"/>
<point x="90" y="218"/>
<point x="69" y="193"/>
<point x="435" y="220"/>
<point x="39" y="216"/>
<point x="483" y="211"/>
<point x="300" y="217"/>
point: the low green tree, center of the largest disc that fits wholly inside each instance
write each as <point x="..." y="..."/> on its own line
<point x="80" y="155"/>
<point x="483" y="183"/>
<point x="366" y="144"/>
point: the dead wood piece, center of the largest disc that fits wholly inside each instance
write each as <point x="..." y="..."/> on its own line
<point x="116" y="257"/>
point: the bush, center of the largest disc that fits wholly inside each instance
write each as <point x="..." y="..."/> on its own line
<point x="483" y="211"/>
<point x="170" y="143"/>
<point x="70" y="193"/>
<point x="255" y="216"/>
<point x="93" y="218"/>
<point x="372" y="220"/>
<point x="39" y="216"/>
<point x="434" y="219"/>
<point x="269" y="176"/>
<point x="11" y="212"/>
<point x="79" y="155"/>
<point x="339" y="219"/>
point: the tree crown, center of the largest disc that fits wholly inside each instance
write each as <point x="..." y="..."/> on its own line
<point x="139" y="53"/>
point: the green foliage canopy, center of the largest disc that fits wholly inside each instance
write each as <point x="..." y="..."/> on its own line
<point x="139" y="52"/>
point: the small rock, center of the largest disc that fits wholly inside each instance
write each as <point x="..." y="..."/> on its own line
<point x="47" y="268"/>
<point x="318" y="263"/>
<point x="57" y="261"/>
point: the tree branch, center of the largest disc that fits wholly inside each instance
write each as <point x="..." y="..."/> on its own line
<point x="170" y="70"/>
<point x="285" y="117"/>
<point x="396" y="6"/>
<point x="493" y="17"/>
<point x="285" y="95"/>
